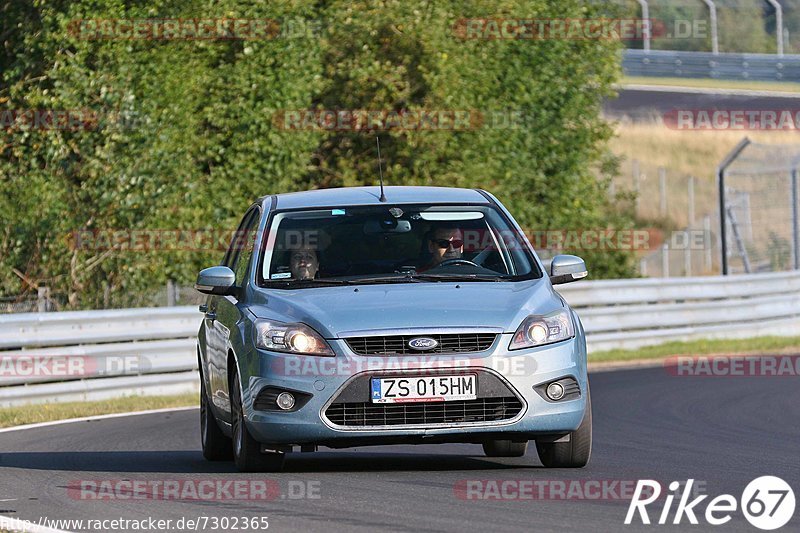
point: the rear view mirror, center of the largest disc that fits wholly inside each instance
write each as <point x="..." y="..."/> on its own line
<point x="567" y="268"/>
<point x="217" y="280"/>
<point x="389" y="225"/>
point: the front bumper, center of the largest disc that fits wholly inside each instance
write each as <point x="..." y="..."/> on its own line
<point x="325" y="379"/>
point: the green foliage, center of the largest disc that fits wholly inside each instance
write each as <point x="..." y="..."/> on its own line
<point x="187" y="135"/>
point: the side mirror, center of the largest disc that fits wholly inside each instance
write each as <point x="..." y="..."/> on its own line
<point x="567" y="268"/>
<point x="215" y="280"/>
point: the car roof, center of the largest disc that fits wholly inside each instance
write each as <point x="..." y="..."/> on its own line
<point x="351" y="196"/>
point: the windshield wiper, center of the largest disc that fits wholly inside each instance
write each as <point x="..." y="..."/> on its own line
<point x="312" y="282"/>
<point x="460" y="277"/>
<point x="403" y="278"/>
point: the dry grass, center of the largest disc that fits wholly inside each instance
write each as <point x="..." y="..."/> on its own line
<point x="686" y="153"/>
<point x="31" y="414"/>
<point x="683" y="154"/>
<point x="713" y="83"/>
<point x="754" y="346"/>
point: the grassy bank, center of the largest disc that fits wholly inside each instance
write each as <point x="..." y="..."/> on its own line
<point x="31" y="414"/>
<point x="708" y="83"/>
<point x="758" y="345"/>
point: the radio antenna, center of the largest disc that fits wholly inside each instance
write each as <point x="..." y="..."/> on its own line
<point x="380" y="168"/>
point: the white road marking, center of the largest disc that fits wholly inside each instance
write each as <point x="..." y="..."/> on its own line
<point x="707" y="90"/>
<point x="95" y="417"/>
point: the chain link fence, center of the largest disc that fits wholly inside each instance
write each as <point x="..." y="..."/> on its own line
<point x="759" y="192"/>
<point x="682" y="212"/>
<point x="760" y="206"/>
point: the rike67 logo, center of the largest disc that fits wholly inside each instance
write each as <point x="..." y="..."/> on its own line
<point x="767" y="503"/>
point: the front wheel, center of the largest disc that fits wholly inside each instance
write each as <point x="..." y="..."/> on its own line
<point x="247" y="450"/>
<point x="216" y="446"/>
<point x="572" y="454"/>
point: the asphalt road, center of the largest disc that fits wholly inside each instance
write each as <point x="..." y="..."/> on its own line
<point x="646" y="103"/>
<point x="722" y="432"/>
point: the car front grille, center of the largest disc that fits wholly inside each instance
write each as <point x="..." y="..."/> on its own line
<point x="398" y="414"/>
<point x="398" y="344"/>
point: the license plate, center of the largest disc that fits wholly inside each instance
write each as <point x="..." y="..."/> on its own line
<point x="424" y="389"/>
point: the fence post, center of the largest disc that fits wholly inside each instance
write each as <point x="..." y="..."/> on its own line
<point x="795" y="222"/>
<point x="723" y="165"/>
<point x="664" y="260"/>
<point x="778" y="25"/>
<point x="712" y="14"/>
<point x="649" y="28"/>
<point x="687" y="258"/>
<point x="171" y="293"/>
<point x="707" y="242"/>
<point x="43" y="299"/>
<point x="636" y="184"/>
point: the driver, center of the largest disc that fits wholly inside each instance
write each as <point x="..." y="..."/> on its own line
<point x="443" y="243"/>
<point x="303" y="263"/>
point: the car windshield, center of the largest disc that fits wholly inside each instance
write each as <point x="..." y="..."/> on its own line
<point x="393" y="244"/>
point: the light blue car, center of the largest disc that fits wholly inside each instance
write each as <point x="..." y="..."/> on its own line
<point x="362" y="316"/>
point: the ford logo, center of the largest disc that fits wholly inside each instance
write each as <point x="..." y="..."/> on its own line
<point x="423" y="343"/>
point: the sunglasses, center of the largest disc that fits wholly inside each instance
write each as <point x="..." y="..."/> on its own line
<point x="445" y="243"/>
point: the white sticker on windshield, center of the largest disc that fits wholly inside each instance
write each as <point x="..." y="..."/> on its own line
<point x="450" y="215"/>
<point x="281" y="275"/>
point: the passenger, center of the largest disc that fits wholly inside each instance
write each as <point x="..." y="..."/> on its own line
<point x="303" y="263"/>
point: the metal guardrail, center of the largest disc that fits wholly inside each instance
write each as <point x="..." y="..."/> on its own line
<point x="95" y="355"/>
<point x="633" y="313"/>
<point x="669" y="63"/>
<point x="152" y="351"/>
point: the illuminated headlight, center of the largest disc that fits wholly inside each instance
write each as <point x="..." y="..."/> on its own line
<point x="292" y="338"/>
<point x="537" y="330"/>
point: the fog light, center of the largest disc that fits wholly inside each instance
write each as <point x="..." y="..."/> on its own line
<point x="555" y="391"/>
<point x="285" y="400"/>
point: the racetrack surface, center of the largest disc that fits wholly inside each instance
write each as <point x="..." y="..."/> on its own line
<point x="721" y="431"/>
<point x="644" y="103"/>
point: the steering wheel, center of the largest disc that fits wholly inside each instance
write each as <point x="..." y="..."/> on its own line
<point x="456" y="261"/>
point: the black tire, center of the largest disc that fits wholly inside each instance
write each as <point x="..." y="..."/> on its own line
<point x="216" y="446"/>
<point x="504" y="448"/>
<point x="247" y="450"/>
<point x="572" y="454"/>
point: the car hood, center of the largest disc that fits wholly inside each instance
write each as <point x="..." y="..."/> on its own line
<point x="335" y="311"/>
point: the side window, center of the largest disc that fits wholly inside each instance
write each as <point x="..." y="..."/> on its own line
<point x="233" y="249"/>
<point x="248" y="240"/>
<point x="242" y="246"/>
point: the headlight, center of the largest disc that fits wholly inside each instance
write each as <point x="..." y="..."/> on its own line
<point x="537" y="330"/>
<point x="292" y="338"/>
